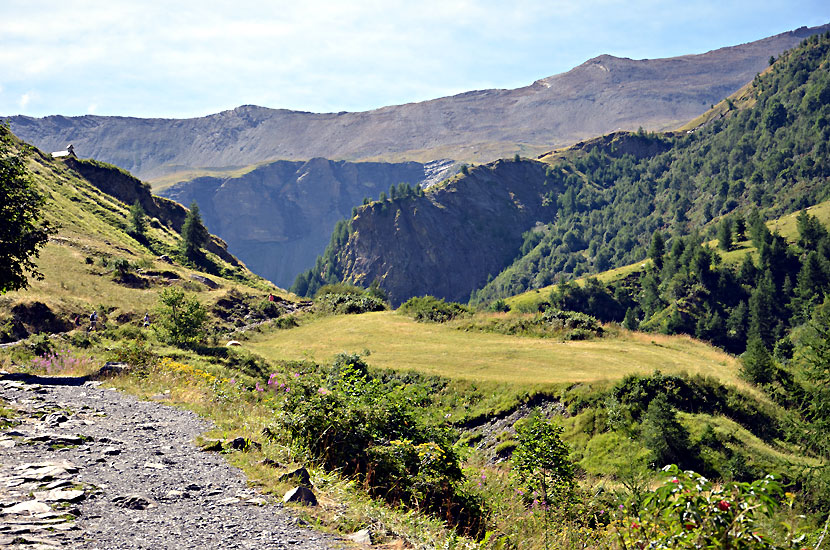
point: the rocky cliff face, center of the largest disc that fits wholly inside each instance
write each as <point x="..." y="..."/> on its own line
<point x="278" y="217"/>
<point x="451" y="240"/>
<point x="600" y="96"/>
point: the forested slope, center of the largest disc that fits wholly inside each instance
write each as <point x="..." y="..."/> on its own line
<point x="604" y="202"/>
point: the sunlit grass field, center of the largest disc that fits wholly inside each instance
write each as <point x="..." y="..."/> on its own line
<point x="399" y="343"/>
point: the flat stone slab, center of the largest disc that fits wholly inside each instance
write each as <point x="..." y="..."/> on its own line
<point x="30" y="507"/>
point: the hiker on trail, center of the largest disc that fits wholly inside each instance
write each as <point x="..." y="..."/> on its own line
<point x="77" y="321"/>
<point x="93" y="319"/>
<point x="146" y="320"/>
<point x="271" y="297"/>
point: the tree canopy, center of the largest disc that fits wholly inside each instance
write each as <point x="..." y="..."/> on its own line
<point x="22" y="231"/>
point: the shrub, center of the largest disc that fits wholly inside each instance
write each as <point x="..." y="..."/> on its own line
<point x="180" y="319"/>
<point x="432" y="309"/>
<point x="499" y="306"/>
<point x="348" y="420"/>
<point x="41" y="344"/>
<point x="350" y="303"/>
<point x="338" y="288"/>
<point x="688" y="511"/>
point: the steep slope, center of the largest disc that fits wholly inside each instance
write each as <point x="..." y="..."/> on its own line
<point x="601" y="95"/>
<point x="93" y="263"/>
<point x="290" y="208"/>
<point x="456" y="236"/>
<point x="608" y="199"/>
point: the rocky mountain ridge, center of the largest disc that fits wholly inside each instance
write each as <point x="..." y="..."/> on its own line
<point x="601" y="95"/>
<point x="278" y="217"/>
<point x="452" y="239"/>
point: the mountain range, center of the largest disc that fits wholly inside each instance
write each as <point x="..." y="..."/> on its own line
<point x="277" y="215"/>
<point x="601" y="95"/>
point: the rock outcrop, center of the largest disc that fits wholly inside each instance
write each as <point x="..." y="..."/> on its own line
<point x="451" y="240"/>
<point x="279" y="217"/>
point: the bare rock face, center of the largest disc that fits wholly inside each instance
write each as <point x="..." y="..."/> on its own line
<point x="449" y="241"/>
<point x="601" y="95"/>
<point x="278" y="218"/>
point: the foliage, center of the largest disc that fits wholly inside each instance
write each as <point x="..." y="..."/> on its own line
<point x="769" y="155"/>
<point x="194" y="234"/>
<point x="349" y="420"/>
<point x="663" y="434"/>
<point x="137" y="220"/>
<point x="541" y="461"/>
<point x="22" y="232"/>
<point x="553" y="323"/>
<point x="432" y="309"/>
<point x="689" y="511"/>
<point x="350" y="303"/>
<point x="180" y="319"/>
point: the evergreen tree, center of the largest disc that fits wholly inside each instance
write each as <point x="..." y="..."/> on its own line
<point x="736" y="325"/>
<point x="664" y="435"/>
<point x="762" y="311"/>
<point x="725" y="235"/>
<point x="657" y="249"/>
<point x="194" y="234"/>
<point x="810" y="231"/>
<point x="137" y="220"/>
<point x="630" y="320"/>
<point x="813" y="359"/>
<point x="740" y="228"/>
<point x="757" y="364"/>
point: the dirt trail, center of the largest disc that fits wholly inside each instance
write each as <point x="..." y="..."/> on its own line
<point x="95" y="468"/>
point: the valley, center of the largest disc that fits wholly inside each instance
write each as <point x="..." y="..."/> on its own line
<point x="490" y="354"/>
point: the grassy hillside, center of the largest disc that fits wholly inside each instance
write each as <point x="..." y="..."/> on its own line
<point x="398" y="343"/>
<point x="78" y="263"/>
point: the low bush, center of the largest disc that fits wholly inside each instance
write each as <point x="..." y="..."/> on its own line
<point x="432" y="309"/>
<point x="350" y="303"/>
<point x="350" y="421"/>
<point x="689" y="511"/>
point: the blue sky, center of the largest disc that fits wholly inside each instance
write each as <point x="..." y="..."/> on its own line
<point x="179" y="59"/>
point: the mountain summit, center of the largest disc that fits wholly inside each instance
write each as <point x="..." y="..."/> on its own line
<point x="601" y="95"/>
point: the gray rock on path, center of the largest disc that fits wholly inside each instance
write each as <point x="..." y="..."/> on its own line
<point x="118" y="473"/>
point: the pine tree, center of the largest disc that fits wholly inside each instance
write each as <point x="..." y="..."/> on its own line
<point x="736" y="326"/>
<point x="762" y="311"/>
<point x="810" y="231"/>
<point x="725" y="234"/>
<point x="137" y="220"/>
<point x="657" y="249"/>
<point x="757" y="364"/>
<point x="194" y="234"/>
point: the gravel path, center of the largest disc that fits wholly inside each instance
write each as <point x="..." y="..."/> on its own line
<point x="94" y="468"/>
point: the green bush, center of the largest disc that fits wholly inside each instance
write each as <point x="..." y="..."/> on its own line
<point x="350" y="303"/>
<point x="432" y="309"/>
<point x="180" y="319"/>
<point x="689" y="511"/>
<point x="40" y="344"/>
<point x="350" y="421"/>
<point x="338" y="288"/>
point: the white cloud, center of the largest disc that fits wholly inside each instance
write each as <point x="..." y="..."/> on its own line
<point x="24" y="101"/>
